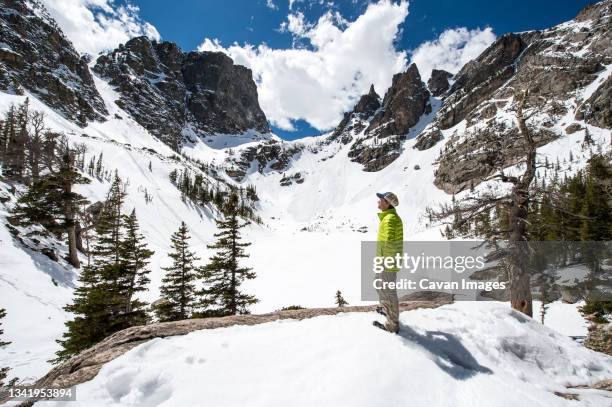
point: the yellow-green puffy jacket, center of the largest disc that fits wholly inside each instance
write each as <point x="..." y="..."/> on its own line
<point x="390" y="235"/>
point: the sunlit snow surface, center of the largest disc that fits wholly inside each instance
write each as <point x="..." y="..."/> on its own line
<point x="466" y="354"/>
<point x="307" y="248"/>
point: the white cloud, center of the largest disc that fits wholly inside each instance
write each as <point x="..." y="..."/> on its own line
<point x="97" y="25"/>
<point x="321" y="82"/>
<point x="292" y="2"/>
<point x="453" y="49"/>
<point x="270" y="4"/>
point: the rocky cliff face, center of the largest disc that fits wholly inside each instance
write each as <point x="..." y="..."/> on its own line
<point x="596" y="110"/>
<point x="438" y="82"/>
<point x="167" y="90"/>
<point x="386" y="124"/>
<point x="37" y="57"/>
<point x="479" y="78"/>
<point x="553" y="66"/>
<point x="358" y="119"/>
<point x="405" y="102"/>
<point x="272" y="155"/>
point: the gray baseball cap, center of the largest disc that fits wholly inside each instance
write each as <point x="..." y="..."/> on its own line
<point x="389" y="197"/>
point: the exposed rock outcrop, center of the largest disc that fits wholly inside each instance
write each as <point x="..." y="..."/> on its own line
<point x="288" y="180"/>
<point x="356" y="120"/>
<point x="438" y="82"/>
<point x="462" y="166"/>
<point x="35" y="55"/>
<point x="375" y="154"/>
<point x="167" y="90"/>
<point x="597" y="110"/>
<point x="405" y="102"/>
<point x="599" y="338"/>
<point x="270" y="155"/>
<point x="479" y="78"/>
<point x="428" y="138"/>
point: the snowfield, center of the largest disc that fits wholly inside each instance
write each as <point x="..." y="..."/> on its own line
<point x="465" y="354"/>
<point x="307" y="248"/>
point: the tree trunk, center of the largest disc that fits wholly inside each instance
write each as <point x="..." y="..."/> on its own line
<point x="79" y="237"/>
<point x="73" y="257"/>
<point x="520" y="279"/>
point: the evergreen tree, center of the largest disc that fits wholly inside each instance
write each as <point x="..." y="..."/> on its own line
<point x="91" y="321"/>
<point x="596" y="228"/>
<point x="8" y="128"/>
<point x="100" y="299"/>
<point x="69" y="201"/>
<point x="134" y="278"/>
<point x="38" y="206"/>
<point x="223" y="274"/>
<point x="178" y="289"/>
<point x="598" y="311"/>
<point x="51" y="201"/>
<point x="3" y="370"/>
<point x="340" y="301"/>
<point x="16" y="144"/>
<point x="588" y="140"/>
<point x="108" y="227"/>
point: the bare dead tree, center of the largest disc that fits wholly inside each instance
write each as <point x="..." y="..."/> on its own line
<point x="514" y="205"/>
<point x="68" y="176"/>
<point x="518" y="272"/>
<point x="34" y="143"/>
<point x="50" y="141"/>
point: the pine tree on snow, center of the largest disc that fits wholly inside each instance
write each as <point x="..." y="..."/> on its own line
<point x="103" y="301"/>
<point x="134" y="279"/>
<point x="96" y="300"/>
<point x="178" y="291"/>
<point x="340" y="301"/>
<point x="223" y="275"/>
<point x="3" y="370"/>
<point x="51" y="201"/>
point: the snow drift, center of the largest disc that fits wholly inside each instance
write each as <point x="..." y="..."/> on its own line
<point x="464" y="354"/>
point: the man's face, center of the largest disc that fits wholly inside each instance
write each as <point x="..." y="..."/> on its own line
<point x="383" y="205"/>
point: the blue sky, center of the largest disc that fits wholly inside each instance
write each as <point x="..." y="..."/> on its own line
<point x="251" y="21"/>
<point x="189" y="22"/>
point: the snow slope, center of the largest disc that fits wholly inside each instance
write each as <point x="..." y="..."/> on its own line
<point x="35" y="316"/>
<point x="307" y="248"/>
<point x="464" y="354"/>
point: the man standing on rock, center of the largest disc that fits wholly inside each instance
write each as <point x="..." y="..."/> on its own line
<point x="389" y="244"/>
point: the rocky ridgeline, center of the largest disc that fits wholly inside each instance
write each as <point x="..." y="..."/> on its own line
<point x="355" y="121"/>
<point x="37" y="57"/>
<point x="167" y="90"/>
<point x="383" y="126"/>
<point x="552" y="65"/>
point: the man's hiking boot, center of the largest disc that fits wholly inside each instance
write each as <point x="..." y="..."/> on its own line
<point x="379" y="325"/>
<point x="384" y="328"/>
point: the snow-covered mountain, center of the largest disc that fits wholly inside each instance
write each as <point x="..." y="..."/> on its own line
<point x="139" y="104"/>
